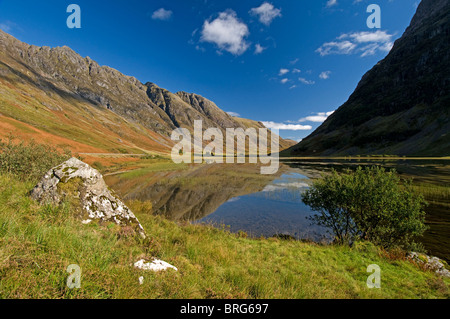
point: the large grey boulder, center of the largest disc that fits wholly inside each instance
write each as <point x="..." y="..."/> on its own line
<point x="78" y="183"/>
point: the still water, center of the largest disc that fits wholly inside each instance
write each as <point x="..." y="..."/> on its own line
<point x="240" y="198"/>
<point x="275" y="210"/>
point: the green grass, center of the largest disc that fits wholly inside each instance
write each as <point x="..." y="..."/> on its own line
<point x="153" y="166"/>
<point x="37" y="243"/>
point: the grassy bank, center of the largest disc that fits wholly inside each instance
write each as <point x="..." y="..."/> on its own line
<point x="37" y="243"/>
<point x="439" y="194"/>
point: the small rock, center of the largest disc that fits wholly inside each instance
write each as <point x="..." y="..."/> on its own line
<point x="155" y="265"/>
<point x="141" y="280"/>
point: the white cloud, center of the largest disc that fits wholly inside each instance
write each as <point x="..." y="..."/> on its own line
<point x="283" y="71"/>
<point x="162" y="14"/>
<point x="305" y="81"/>
<point x="366" y="36"/>
<point x="344" y="47"/>
<point x="369" y="49"/>
<point x="266" y="12"/>
<point x="387" y="47"/>
<point x="296" y="71"/>
<point x="284" y="81"/>
<point x="365" y="43"/>
<point x="331" y="3"/>
<point x="6" y="28"/>
<point x="287" y="127"/>
<point x="325" y="75"/>
<point x="283" y="186"/>
<point x="293" y="87"/>
<point x="199" y="48"/>
<point x="227" y="32"/>
<point x="234" y="114"/>
<point x="259" y="48"/>
<point x="294" y="61"/>
<point x="317" y="118"/>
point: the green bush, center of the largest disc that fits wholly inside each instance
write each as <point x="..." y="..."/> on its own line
<point x="97" y="165"/>
<point x="29" y="161"/>
<point x="159" y="157"/>
<point x="369" y="204"/>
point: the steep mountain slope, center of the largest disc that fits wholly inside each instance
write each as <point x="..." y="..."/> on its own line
<point x="56" y="95"/>
<point x="402" y="105"/>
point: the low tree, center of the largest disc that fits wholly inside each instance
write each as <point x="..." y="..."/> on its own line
<point x="29" y="161"/>
<point x="370" y="204"/>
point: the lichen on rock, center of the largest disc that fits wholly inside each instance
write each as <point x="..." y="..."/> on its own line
<point x="83" y="186"/>
<point x="432" y="263"/>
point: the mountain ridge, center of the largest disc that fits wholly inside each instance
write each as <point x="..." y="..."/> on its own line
<point x="401" y="106"/>
<point x="62" y="74"/>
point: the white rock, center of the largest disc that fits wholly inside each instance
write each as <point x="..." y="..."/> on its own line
<point x="155" y="265"/>
<point x="141" y="280"/>
<point x="96" y="200"/>
<point x="432" y="263"/>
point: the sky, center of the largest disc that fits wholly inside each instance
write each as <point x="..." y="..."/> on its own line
<point x="287" y="63"/>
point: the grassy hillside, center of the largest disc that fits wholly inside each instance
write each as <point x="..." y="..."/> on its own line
<point x="29" y="112"/>
<point x="37" y="243"/>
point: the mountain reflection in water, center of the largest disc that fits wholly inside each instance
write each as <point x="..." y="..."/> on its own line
<point x="240" y="197"/>
<point x="237" y="196"/>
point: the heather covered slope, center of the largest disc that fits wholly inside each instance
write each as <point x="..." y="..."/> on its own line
<point x="55" y="95"/>
<point x="401" y="106"/>
<point x="43" y="96"/>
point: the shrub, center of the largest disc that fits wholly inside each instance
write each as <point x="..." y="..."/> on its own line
<point x="369" y="204"/>
<point x="29" y="161"/>
<point x="159" y="157"/>
<point x="97" y="165"/>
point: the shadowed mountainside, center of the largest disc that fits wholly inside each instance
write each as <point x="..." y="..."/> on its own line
<point x="401" y="106"/>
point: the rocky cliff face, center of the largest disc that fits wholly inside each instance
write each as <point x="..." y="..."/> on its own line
<point x="63" y="73"/>
<point x="402" y="105"/>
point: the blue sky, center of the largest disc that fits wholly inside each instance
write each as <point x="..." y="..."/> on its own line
<point x="288" y="63"/>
